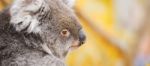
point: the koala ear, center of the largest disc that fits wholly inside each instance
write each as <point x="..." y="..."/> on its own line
<point x="23" y="15"/>
<point x="70" y="3"/>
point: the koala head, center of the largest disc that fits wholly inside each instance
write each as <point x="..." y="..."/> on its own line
<point x="53" y="20"/>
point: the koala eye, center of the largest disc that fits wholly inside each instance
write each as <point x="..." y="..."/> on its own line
<point x="65" y="33"/>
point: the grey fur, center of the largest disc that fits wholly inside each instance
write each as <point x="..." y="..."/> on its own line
<point x="21" y="45"/>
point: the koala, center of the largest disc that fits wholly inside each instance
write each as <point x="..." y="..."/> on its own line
<point x="39" y="33"/>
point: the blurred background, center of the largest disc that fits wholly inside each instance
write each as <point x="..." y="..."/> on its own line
<point x="118" y="33"/>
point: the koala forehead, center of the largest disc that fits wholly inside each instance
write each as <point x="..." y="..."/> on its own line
<point x="67" y="22"/>
<point x="62" y="17"/>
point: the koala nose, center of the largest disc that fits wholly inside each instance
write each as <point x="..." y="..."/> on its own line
<point x="82" y="37"/>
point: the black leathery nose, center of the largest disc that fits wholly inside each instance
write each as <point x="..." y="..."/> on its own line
<point x="82" y="37"/>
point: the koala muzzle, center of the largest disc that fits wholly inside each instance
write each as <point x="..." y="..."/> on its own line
<point x="82" y="37"/>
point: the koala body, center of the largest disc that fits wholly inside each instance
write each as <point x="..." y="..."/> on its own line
<point x="38" y="33"/>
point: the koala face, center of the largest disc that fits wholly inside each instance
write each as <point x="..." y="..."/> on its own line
<point x="53" y="20"/>
<point x="62" y="28"/>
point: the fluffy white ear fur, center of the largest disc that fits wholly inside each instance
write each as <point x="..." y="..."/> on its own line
<point x="70" y="3"/>
<point x="21" y="15"/>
